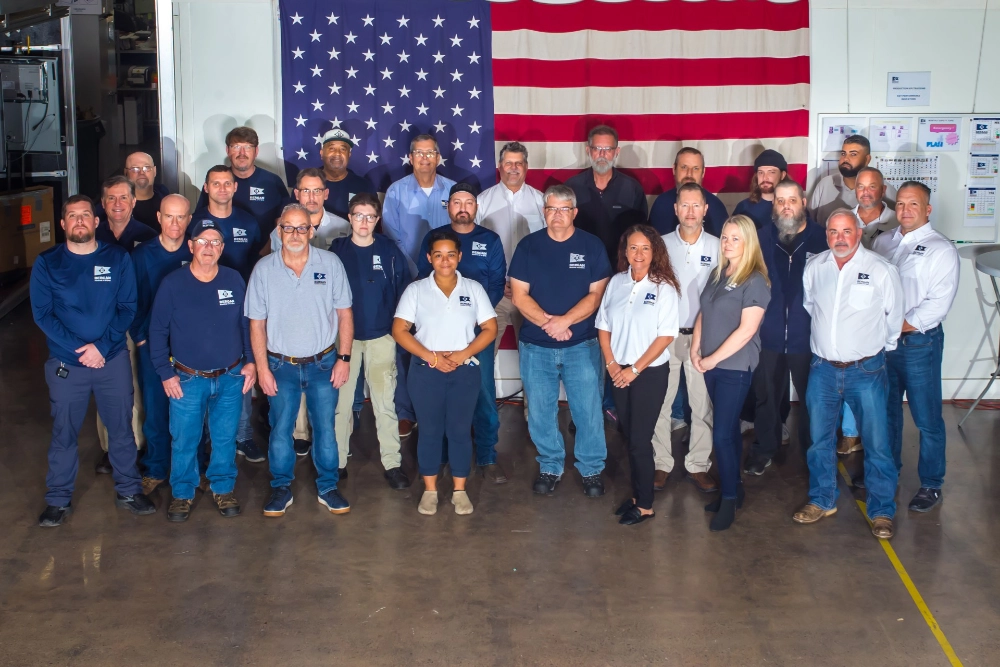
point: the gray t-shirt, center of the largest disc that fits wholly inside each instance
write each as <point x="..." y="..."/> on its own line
<point x="721" y="310"/>
<point x="301" y="311"/>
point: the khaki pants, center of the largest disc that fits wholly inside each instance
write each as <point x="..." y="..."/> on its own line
<point x="700" y="449"/>
<point x="138" y="413"/>
<point x="379" y="357"/>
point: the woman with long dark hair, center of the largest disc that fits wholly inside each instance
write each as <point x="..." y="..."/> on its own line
<point x="637" y="320"/>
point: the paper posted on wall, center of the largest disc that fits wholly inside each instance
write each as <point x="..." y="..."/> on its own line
<point x="939" y="134"/>
<point x="891" y="135"/>
<point x="835" y="130"/>
<point x="980" y="206"/>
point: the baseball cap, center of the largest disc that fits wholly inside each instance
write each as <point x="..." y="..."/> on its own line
<point x="337" y="134"/>
<point x="206" y="225"/>
<point x="461" y="187"/>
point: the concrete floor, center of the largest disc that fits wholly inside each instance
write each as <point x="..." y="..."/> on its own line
<point x="525" y="580"/>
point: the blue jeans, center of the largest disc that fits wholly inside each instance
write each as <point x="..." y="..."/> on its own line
<point x="156" y="427"/>
<point x="865" y="387"/>
<point x="445" y="404"/>
<point x="582" y="373"/>
<point x="313" y="380"/>
<point x="848" y="425"/>
<point x="220" y="398"/>
<point x="728" y="391"/>
<point x="404" y="406"/>
<point x="245" y="429"/>
<point x="486" y="419"/>
<point x="915" y="368"/>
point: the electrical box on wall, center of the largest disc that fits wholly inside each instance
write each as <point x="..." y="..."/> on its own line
<point x="31" y="105"/>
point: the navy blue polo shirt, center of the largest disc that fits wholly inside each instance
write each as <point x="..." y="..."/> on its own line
<point x="201" y="325"/>
<point x="262" y="195"/>
<point x="341" y="192"/>
<point x="559" y="275"/>
<point x="608" y="213"/>
<point x="663" y="219"/>
<point x="377" y="274"/>
<point x="759" y="212"/>
<point x="134" y="234"/>
<point x="483" y="260"/>
<point x="80" y="299"/>
<point x="152" y="263"/>
<point x="243" y="239"/>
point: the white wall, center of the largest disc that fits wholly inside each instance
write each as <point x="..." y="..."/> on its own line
<point x="226" y="75"/>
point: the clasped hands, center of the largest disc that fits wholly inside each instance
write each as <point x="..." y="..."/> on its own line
<point x="557" y="326"/>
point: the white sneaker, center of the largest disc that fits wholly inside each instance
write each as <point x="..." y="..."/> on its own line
<point x="677" y="424"/>
<point x="428" y="503"/>
<point x="745" y="426"/>
<point x="786" y="437"/>
<point x="460" y="499"/>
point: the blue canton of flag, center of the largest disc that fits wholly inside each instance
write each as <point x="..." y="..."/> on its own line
<point x="385" y="71"/>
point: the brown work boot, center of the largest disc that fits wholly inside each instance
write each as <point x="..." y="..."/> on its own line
<point x="660" y="480"/>
<point x="811" y="514"/>
<point x="405" y="428"/>
<point x="848" y="445"/>
<point x="882" y="528"/>
<point x="179" y="510"/>
<point x="149" y="484"/>
<point x="227" y="504"/>
<point x="703" y="482"/>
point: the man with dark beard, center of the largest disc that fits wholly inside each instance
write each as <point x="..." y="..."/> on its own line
<point x="838" y="190"/>
<point x="770" y="169"/>
<point x="784" y="333"/>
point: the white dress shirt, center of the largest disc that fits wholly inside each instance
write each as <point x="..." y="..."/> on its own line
<point x="445" y="322"/>
<point x="885" y="222"/>
<point x="512" y="215"/>
<point x="693" y="263"/>
<point x="856" y="311"/>
<point x="928" y="269"/>
<point x="636" y="314"/>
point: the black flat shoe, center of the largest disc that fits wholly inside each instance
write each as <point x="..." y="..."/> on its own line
<point x="725" y="517"/>
<point x="625" y="507"/>
<point x="634" y="516"/>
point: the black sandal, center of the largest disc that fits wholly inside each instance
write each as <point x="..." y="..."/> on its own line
<point x="634" y="516"/>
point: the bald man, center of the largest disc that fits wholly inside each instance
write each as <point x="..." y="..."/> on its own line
<point x="139" y="169"/>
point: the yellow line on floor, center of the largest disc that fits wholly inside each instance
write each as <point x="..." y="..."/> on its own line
<point x="908" y="582"/>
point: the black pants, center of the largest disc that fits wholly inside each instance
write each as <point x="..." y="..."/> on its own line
<point x="638" y="407"/>
<point x="770" y="383"/>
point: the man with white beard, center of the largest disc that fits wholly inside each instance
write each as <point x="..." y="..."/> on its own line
<point x="784" y="333"/>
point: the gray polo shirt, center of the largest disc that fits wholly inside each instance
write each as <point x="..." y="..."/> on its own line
<point x="301" y="311"/>
<point x="721" y="310"/>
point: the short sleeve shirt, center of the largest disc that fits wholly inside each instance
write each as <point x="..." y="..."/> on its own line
<point x="636" y="314"/>
<point x="722" y="307"/>
<point x="445" y="322"/>
<point x="559" y="275"/>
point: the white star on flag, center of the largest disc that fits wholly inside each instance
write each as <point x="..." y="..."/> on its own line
<point x="332" y="18"/>
<point x="386" y="74"/>
<point x="316" y="70"/>
<point x="296" y="18"/>
<point x="422" y="110"/>
<point x="368" y="20"/>
<point x="352" y="107"/>
<point x="474" y="93"/>
<point x="371" y="123"/>
<point x="334" y="89"/>
<point x="438" y="22"/>
<point x="438" y="92"/>
<point x="387" y="108"/>
<point x="456" y="41"/>
<point x="439" y="127"/>
<point x="299" y="87"/>
<point x="385" y="38"/>
<point x="300" y="121"/>
<point x="350" y="37"/>
<point x="372" y="157"/>
<point x="315" y="36"/>
<point x="297" y="53"/>
<point x="475" y="162"/>
<point x="369" y="89"/>
<point x="457" y="144"/>
<point x="388" y="142"/>
<point x="404" y="126"/>
<point x="421" y="40"/>
<point x="351" y="73"/>
<point x="473" y="22"/>
<point x="334" y="53"/>
<point x="457" y="110"/>
<point x="317" y="105"/>
<point x="302" y="154"/>
<point x="369" y="55"/>
<point x="403" y="21"/>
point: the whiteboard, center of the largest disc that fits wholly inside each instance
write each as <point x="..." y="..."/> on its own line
<point x="950" y="156"/>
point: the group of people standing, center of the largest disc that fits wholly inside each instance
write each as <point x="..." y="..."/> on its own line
<point x="642" y="317"/>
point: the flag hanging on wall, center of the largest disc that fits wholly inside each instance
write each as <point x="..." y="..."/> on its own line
<point x="729" y="77"/>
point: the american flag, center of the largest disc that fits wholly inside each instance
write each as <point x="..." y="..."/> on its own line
<point x="729" y="77"/>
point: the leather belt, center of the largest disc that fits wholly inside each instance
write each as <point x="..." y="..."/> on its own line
<point x="206" y="374"/>
<point x="847" y="364"/>
<point x="301" y="360"/>
<point x="687" y="331"/>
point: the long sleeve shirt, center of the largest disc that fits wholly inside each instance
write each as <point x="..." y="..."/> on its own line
<point x="408" y="213"/>
<point x="512" y="215"/>
<point x="152" y="264"/>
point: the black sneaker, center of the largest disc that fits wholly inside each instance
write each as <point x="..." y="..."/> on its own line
<point x="593" y="487"/>
<point x="756" y="465"/>
<point x="138" y="503"/>
<point x="250" y="451"/>
<point x="302" y="447"/>
<point x="546" y="483"/>
<point x="54" y="516"/>
<point x="397" y="479"/>
<point x="925" y="500"/>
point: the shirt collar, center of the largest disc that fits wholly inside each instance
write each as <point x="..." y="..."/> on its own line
<point x="916" y="235"/>
<point x="697" y="242"/>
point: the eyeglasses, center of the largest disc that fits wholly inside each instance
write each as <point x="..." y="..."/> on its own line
<point x="315" y="192"/>
<point x="242" y="148"/>
<point x="558" y="209"/>
<point x="425" y="154"/>
<point x="289" y="229"/>
<point x="363" y="217"/>
<point x="140" y="170"/>
<point x="215" y="243"/>
<point x="603" y="150"/>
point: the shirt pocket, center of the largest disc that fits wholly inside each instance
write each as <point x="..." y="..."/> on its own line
<point x="860" y="297"/>
<point x="534" y="222"/>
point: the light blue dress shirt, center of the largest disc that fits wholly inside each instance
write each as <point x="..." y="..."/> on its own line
<point x="408" y="213"/>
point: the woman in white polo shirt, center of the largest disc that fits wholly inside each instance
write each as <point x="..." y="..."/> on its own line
<point x="444" y="375"/>
<point x="637" y="320"/>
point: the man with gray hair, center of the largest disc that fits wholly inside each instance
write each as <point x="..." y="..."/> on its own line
<point x="855" y="299"/>
<point x="512" y="209"/>
<point x="875" y="216"/>
<point x="557" y="279"/>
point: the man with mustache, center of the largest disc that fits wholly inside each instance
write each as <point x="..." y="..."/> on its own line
<point x="786" y="243"/>
<point x="83" y="297"/>
<point x="855" y="300"/>
<point x="875" y="216"/>
<point x="689" y="167"/>
<point x="770" y="169"/>
<point x="341" y="181"/>
<point x="838" y="190"/>
<point x="139" y="169"/>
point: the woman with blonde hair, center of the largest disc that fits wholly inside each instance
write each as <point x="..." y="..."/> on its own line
<point x="725" y="347"/>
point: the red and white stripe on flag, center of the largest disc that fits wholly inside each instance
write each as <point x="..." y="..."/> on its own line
<point x="729" y="77"/>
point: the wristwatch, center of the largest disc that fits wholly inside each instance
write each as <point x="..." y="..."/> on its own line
<point x="344" y="357"/>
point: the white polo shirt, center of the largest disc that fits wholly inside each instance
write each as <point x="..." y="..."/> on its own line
<point x="445" y="323"/>
<point x="856" y="311"/>
<point x="636" y="313"/>
<point x="693" y="264"/>
<point x="928" y="269"/>
<point x="512" y="215"/>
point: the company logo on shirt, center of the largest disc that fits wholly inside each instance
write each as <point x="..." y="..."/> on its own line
<point x="706" y="260"/>
<point x="226" y="297"/>
<point x="376" y="262"/>
<point x="576" y="261"/>
<point x="444" y="203"/>
<point x="185" y="262"/>
<point x="465" y="301"/>
<point x="102" y="274"/>
<point x="478" y="249"/>
<point x="920" y="250"/>
<point x="319" y="278"/>
<point x="650" y="299"/>
<point x="864" y="279"/>
<point x="256" y="194"/>
<point x="240" y="235"/>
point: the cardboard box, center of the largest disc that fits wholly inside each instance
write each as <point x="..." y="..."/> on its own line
<point x="27" y="226"/>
